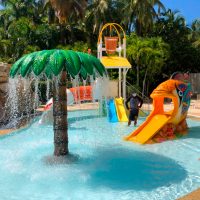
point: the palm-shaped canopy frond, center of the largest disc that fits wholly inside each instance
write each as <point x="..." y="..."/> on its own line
<point x="52" y="62"/>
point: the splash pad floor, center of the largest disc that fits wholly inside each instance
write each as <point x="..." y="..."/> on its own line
<point x="113" y="172"/>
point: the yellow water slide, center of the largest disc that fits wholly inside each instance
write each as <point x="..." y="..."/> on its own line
<point x="121" y="111"/>
<point x="172" y="89"/>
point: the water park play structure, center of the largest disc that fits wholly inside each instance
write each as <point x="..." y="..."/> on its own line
<point x="112" y="42"/>
<point x="111" y="48"/>
<point x="163" y="124"/>
<point x="158" y="123"/>
<point x="89" y="176"/>
<point x="112" y="53"/>
<point x="103" y="155"/>
<point x="116" y="111"/>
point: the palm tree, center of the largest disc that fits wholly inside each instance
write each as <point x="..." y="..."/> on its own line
<point x="64" y="9"/>
<point x="175" y="18"/>
<point x="49" y="10"/>
<point x="55" y="63"/>
<point x="133" y="53"/>
<point x="96" y="14"/>
<point x="154" y="54"/>
<point x="142" y="13"/>
<point x="148" y="54"/>
<point x="67" y="12"/>
<point x="171" y="26"/>
<point x="195" y="33"/>
<point x="19" y="7"/>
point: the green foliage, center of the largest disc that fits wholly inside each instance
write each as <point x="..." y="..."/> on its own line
<point x="43" y="35"/>
<point x="30" y="49"/>
<point x="19" y="29"/>
<point x="195" y="33"/>
<point x="148" y="55"/>
<point x="80" y="46"/>
<point x="147" y="52"/>
<point x="184" y="55"/>
<point x="77" y="46"/>
<point x="28" y="26"/>
<point x="141" y="14"/>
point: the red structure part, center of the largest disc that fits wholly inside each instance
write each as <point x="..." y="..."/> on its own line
<point x="82" y="93"/>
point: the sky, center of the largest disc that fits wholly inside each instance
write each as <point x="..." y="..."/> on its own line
<point x="189" y="9"/>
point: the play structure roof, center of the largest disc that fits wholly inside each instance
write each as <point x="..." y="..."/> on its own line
<point x="115" y="62"/>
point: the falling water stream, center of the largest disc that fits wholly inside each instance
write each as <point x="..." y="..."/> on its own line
<point x="24" y="94"/>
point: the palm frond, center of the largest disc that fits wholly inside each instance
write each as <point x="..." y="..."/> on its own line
<point x="40" y="62"/>
<point x="26" y="64"/>
<point x="86" y="63"/>
<point x="52" y="62"/>
<point x="56" y="62"/>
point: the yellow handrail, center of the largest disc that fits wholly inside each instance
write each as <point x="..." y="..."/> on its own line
<point x="114" y="26"/>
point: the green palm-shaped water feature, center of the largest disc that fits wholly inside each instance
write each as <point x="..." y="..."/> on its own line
<point x="53" y="63"/>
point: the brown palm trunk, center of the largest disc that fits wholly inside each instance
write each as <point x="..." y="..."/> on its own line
<point x="60" y="118"/>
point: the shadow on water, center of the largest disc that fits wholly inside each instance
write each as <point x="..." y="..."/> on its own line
<point x="77" y="129"/>
<point x="121" y="169"/>
<point x="70" y="123"/>
<point x="81" y="118"/>
<point x="72" y="120"/>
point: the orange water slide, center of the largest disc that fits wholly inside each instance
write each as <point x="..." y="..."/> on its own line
<point x="158" y="118"/>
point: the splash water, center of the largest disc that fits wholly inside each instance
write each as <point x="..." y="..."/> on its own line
<point x="24" y="95"/>
<point x="20" y="100"/>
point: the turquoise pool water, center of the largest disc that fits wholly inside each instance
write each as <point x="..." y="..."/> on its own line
<point x="108" y="167"/>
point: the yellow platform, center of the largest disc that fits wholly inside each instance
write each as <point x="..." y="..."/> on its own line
<point x="115" y="62"/>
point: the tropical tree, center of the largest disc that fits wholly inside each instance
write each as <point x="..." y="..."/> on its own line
<point x="55" y="64"/>
<point x="171" y="26"/>
<point x="5" y="18"/>
<point x="195" y="33"/>
<point x="148" y="54"/>
<point x="19" y="7"/>
<point x="48" y="9"/>
<point x="154" y="55"/>
<point x="77" y="46"/>
<point x="65" y="9"/>
<point x="18" y="33"/>
<point x="96" y="14"/>
<point x="5" y="43"/>
<point x="134" y="44"/>
<point x="18" y="19"/>
<point x="141" y="13"/>
<point x="67" y="12"/>
<point x="44" y="36"/>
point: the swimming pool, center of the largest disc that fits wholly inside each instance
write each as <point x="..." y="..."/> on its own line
<point x="108" y="167"/>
